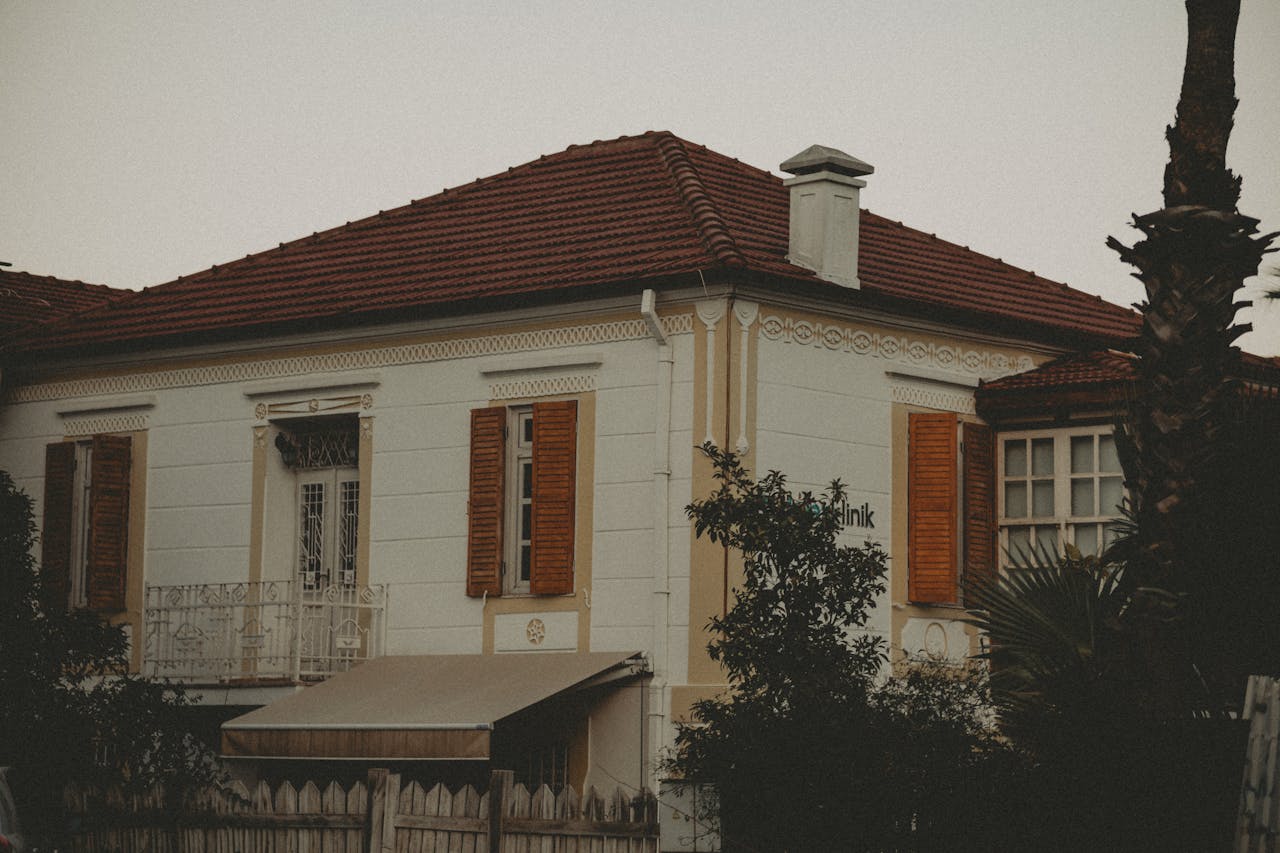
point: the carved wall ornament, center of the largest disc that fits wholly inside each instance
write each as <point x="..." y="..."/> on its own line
<point x="984" y="364"/>
<point x="746" y="313"/>
<point x="710" y="313"/>
<point x="542" y="387"/>
<point x="363" y="359"/>
<point x="104" y="423"/>
<point x="933" y="398"/>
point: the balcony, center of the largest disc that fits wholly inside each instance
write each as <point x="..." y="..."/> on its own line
<point x="260" y="632"/>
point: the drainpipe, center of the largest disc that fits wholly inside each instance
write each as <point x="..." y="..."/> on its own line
<point x="657" y="704"/>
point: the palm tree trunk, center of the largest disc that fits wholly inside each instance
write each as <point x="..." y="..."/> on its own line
<point x="1195" y="256"/>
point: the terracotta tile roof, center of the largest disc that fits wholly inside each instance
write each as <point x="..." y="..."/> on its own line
<point x="1100" y="367"/>
<point x="630" y="210"/>
<point x="28" y="300"/>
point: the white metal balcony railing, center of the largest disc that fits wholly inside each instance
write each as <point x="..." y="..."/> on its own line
<point x="260" y="631"/>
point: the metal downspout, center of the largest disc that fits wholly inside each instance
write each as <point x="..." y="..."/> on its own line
<point x="658" y="736"/>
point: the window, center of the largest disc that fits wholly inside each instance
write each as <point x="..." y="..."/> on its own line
<point x="521" y="504"/>
<point x="324" y="454"/>
<point x="950" y="506"/>
<point x="1059" y="487"/>
<point x="84" y="538"/>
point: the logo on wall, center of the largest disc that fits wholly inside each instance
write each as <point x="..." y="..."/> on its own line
<point x="861" y="516"/>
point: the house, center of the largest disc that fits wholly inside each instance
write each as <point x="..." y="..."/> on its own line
<point x="414" y="487"/>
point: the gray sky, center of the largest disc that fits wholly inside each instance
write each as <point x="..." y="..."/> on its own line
<point x="146" y="140"/>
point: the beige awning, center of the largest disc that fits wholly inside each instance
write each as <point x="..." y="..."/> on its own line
<point x="414" y="706"/>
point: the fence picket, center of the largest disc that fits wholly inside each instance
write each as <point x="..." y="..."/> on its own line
<point x="412" y="819"/>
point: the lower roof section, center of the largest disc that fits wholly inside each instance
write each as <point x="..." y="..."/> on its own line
<point x="415" y="706"/>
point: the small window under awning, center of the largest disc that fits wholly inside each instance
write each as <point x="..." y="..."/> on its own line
<point x="416" y="706"/>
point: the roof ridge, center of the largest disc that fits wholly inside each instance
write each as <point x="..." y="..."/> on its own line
<point x="706" y="217"/>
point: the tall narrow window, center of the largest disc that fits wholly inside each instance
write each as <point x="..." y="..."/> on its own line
<point x="85" y="535"/>
<point x="521" y="503"/>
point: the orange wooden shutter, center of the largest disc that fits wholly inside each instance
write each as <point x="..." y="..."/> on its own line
<point x="484" y="508"/>
<point x="979" y="503"/>
<point x="555" y="451"/>
<point x="55" y="533"/>
<point x="108" y="552"/>
<point x="931" y="508"/>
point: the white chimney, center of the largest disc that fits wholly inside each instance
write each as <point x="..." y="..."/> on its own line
<point x="824" y="212"/>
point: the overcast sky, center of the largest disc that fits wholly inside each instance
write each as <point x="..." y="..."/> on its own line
<point x="142" y="140"/>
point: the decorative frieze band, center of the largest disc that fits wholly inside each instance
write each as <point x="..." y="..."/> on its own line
<point x="985" y="364"/>
<point x="104" y="423"/>
<point x="934" y="398"/>
<point x="536" y="339"/>
<point x="544" y="387"/>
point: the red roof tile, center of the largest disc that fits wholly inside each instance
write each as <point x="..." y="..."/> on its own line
<point x="1102" y="367"/>
<point x="627" y="210"/>
<point x="28" y="300"/>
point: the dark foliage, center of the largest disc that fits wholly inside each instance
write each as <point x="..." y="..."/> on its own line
<point x="69" y="709"/>
<point x="808" y="750"/>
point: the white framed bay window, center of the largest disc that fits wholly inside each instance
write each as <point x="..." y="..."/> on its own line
<point x="1058" y="486"/>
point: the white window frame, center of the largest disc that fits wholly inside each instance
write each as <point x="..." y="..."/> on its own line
<point x="518" y="500"/>
<point x="334" y="550"/>
<point x="1062" y="522"/>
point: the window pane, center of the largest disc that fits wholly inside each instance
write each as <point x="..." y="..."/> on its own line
<point x="1047" y="540"/>
<point x="1087" y="538"/>
<point x="1108" y="459"/>
<point x="1015" y="458"/>
<point x="1019" y="542"/>
<point x="1042" y="498"/>
<point x="1015" y="500"/>
<point x="1081" y="454"/>
<point x="526" y="480"/>
<point x="1110" y="494"/>
<point x="1109" y="534"/>
<point x="524" y="563"/>
<point x="1082" y="496"/>
<point x="1042" y="456"/>
<point x="526" y="429"/>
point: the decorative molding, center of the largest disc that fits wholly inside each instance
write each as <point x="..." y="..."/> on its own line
<point x="984" y="364"/>
<point x="314" y="406"/>
<point x="104" y="423"/>
<point x="309" y="385"/>
<point x="259" y="436"/>
<point x="710" y="313"/>
<point x="555" y="361"/>
<point x="542" y="387"/>
<point x="363" y="359"/>
<point x="103" y="405"/>
<point x="366" y="428"/>
<point x="746" y="313"/>
<point x="934" y="398"/>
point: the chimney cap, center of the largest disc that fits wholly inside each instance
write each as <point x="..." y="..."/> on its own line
<point x="819" y="158"/>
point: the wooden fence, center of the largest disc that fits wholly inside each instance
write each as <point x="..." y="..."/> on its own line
<point x="374" y="816"/>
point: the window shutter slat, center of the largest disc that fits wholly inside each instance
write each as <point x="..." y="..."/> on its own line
<point x="979" y="503"/>
<point x="55" y="533"/>
<point x="484" y="506"/>
<point x="555" y="449"/>
<point x="931" y="508"/>
<point x="108" y="551"/>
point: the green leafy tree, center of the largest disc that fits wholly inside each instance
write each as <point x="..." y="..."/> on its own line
<point x="70" y="712"/>
<point x="808" y="749"/>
